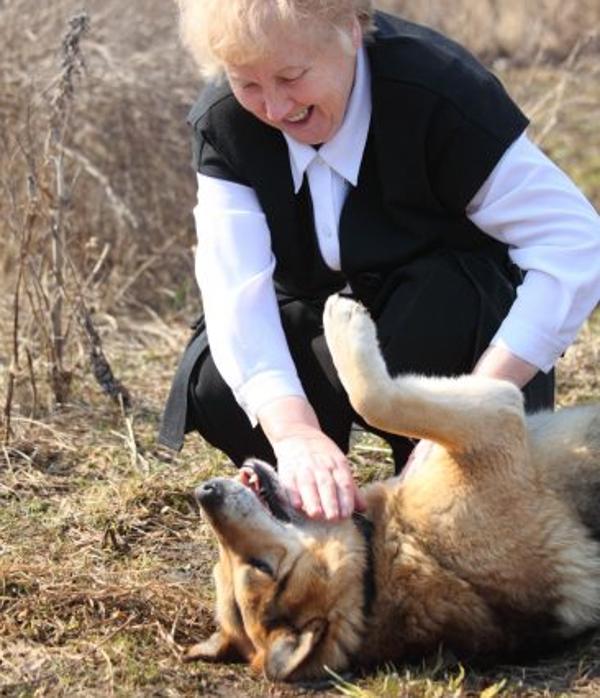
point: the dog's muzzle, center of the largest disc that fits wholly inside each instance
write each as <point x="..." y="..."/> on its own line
<point x="210" y="494"/>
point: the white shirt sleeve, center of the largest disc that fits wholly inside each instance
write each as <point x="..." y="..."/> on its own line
<point x="234" y="269"/>
<point x="553" y="234"/>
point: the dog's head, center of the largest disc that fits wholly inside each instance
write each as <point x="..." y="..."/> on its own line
<point x="290" y="592"/>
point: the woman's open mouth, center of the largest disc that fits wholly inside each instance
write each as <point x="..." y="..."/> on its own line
<point x="300" y="118"/>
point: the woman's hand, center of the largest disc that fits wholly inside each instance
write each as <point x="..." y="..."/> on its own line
<point x="498" y="362"/>
<point x="312" y="469"/>
<point x="317" y="476"/>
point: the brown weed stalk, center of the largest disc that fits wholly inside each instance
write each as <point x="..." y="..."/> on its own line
<point x="60" y="122"/>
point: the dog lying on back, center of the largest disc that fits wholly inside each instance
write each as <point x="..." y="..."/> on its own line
<point x="489" y="546"/>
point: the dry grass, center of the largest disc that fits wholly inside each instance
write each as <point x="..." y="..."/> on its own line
<point x="104" y="562"/>
<point x="520" y="31"/>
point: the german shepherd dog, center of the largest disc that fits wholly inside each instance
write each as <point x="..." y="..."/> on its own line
<point x="488" y="547"/>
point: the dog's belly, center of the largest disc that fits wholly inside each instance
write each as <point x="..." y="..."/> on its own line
<point x="530" y="578"/>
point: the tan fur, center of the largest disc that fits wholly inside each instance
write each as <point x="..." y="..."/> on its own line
<point x="487" y="546"/>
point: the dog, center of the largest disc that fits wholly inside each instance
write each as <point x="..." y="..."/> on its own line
<point x="489" y="547"/>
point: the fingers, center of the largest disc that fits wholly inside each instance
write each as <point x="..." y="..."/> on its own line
<point x="347" y="490"/>
<point x="317" y="478"/>
<point x="323" y="490"/>
<point x="311" y="488"/>
<point x="310" y="501"/>
<point x="292" y="491"/>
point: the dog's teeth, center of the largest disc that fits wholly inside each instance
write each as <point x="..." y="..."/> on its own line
<point x="248" y="477"/>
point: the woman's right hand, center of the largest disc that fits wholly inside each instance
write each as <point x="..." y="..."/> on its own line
<point x="314" y="472"/>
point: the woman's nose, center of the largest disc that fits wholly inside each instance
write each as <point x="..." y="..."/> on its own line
<point x="277" y="105"/>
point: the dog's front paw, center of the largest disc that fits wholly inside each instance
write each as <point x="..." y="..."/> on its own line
<point x="217" y="648"/>
<point x="351" y="337"/>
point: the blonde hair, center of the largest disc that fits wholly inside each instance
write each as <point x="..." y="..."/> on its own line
<point x="237" y="31"/>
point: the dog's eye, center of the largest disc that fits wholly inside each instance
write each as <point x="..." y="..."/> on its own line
<point x="260" y="565"/>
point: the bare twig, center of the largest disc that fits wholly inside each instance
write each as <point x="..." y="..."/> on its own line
<point x="33" y="382"/>
<point x="26" y="235"/>
<point x="100" y="366"/>
<point x="72" y="67"/>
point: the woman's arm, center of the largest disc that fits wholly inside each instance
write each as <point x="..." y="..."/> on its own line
<point x="234" y="269"/>
<point x="553" y="234"/>
<point x="234" y="266"/>
<point x="498" y="362"/>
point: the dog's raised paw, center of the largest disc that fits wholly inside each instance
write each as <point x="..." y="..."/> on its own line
<point x="350" y="333"/>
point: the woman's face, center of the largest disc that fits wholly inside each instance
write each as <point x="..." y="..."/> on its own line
<point x="301" y="86"/>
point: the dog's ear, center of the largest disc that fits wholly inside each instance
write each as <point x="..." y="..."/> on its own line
<point x="219" y="647"/>
<point x="290" y="647"/>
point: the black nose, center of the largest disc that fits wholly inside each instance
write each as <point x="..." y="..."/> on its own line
<point x="209" y="494"/>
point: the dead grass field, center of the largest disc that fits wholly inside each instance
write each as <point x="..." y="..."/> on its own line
<point x="104" y="562"/>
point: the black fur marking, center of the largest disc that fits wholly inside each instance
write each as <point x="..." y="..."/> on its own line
<point x="365" y="528"/>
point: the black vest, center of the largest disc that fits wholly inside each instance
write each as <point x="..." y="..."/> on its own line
<point x="439" y="125"/>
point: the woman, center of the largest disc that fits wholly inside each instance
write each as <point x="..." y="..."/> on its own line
<point x="339" y="149"/>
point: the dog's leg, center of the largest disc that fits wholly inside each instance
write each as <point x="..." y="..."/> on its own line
<point x="466" y="415"/>
<point x="219" y="647"/>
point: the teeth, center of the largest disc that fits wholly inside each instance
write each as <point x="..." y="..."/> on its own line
<point x="249" y="478"/>
<point x="298" y="117"/>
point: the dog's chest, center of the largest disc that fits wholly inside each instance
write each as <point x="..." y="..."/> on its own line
<point x="423" y="599"/>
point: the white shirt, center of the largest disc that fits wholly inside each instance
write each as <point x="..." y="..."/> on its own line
<point x="527" y="202"/>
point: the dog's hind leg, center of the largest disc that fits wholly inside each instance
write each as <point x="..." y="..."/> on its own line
<point x="466" y="415"/>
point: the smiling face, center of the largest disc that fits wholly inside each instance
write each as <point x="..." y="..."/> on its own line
<point x="301" y="83"/>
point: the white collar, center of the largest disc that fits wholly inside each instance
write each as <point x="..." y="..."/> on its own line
<point x="343" y="153"/>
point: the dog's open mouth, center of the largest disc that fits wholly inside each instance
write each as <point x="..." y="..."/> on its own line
<point x="261" y="479"/>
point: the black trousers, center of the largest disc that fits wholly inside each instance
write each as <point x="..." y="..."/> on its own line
<point x="436" y="317"/>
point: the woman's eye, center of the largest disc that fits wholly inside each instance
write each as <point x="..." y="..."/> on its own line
<point x="260" y="565"/>
<point x="292" y="78"/>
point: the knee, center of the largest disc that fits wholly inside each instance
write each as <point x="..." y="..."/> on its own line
<point x="214" y="413"/>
